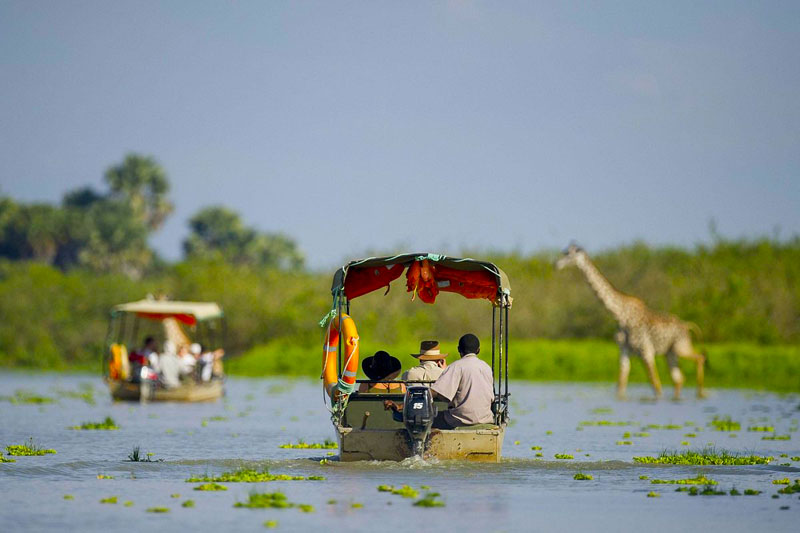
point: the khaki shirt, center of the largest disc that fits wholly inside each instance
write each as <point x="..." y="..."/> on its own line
<point x="425" y="371"/>
<point x="468" y="386"/>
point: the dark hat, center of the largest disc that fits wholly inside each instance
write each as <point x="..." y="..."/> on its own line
<point x="380" y="365"/>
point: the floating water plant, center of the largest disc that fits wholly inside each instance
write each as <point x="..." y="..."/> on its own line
<point x="356" y="505"/>
<point x="652" y="494"/>
<point x="174" y="495"/>
<point x="128" y="503"/>
<point x="275" y="500"/>
<point x="244" y="475"/>
<point x="644" y="477"/>
<point x="624" y="443"/>
<point x="663" y="426"/>
<point x="563" y="456"/>
<point x="685" y="443"/>
<point x="604" y="423"/>
<point x="69" y="497"/>
<point x="107" y="424"/>
<point x="766" y="429"/>
<point x="6" y="459"/>
<point x="22" y="396"/>
<point x="691" y="435"/>
<point x="580" y="476"/>
<point x="385" y="488"/>
<point x="734" y="492"/>
<point x="536" y="447"/>
<point x="136" y="457"/>
<point x="327" y="445"/>
<point x="751" y="492"/>
<point x="776" y="437"/>
<point x="641" y="434"/>
<point x="709" y="456"/>
<point x="784" y="481"/>
<point x="188" y="503"/>
<point x="110" y="499"/>
<point x="791" y="489"/>
<point x="725" y="424"/>
<point x="270" y="524"/>
<point x="602" y="411"/>
<point x="406" y="492"/>
<point x="158" y="509"/>
<point x="29" y="449"/>
<point x="699" y="480"/>
<point x="539" y="454"/>
<point x="104" y="476"/>
<point x="430" y="500"/>
<point x="211" y="487"/>
<point x="707" y="490"/>
<point x="796" y="459"/>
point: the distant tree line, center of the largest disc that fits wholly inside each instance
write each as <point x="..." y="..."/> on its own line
<point x="107" y="231"/>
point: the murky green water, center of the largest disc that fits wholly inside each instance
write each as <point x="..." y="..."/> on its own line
<point x="258" y="415"/>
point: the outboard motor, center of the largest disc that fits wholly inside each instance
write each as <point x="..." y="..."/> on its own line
<point x="418" y="414"/>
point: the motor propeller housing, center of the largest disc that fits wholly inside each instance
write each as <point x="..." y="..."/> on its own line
<point x="418" y="414"/>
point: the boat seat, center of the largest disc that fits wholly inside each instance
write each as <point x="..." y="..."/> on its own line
<point x="379" y="418"/>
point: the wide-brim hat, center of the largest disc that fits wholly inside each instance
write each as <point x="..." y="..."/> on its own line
<point x="429" y="351"/>
<point x="380" y="365"/>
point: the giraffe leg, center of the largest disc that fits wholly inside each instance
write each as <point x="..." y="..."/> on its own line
<point x="685" y="349"/>
<point x="649" y="358"/>
<point x="624" y="370"/>
<point x="675" y="373"/>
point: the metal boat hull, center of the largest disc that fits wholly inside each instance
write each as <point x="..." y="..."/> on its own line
<point x="484" y="445"/>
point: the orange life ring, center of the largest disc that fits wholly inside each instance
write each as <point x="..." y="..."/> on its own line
<point x="334" y="384"/>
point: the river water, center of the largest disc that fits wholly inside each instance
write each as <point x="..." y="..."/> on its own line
<point x="522" y="493"/>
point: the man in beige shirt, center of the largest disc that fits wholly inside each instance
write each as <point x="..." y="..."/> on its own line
<point x="432" y="363"/>
<point x="468" y="386"/>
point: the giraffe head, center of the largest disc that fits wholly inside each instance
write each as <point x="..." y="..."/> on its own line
<point x="571" y="256"/>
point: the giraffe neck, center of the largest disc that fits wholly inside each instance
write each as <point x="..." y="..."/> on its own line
<point x="611" y="298"/>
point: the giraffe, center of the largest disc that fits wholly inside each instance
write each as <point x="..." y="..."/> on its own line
<point x="642" y="331"/>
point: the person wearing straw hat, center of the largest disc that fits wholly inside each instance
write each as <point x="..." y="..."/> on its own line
<point x="381" y="367"/>
<point x="432" y="363"/>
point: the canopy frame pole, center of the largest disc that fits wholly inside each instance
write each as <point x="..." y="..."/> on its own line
<point x="494" y="342"/>
<point x="339" y="316"/>
<point x="506" y="348"/>
<point x="500" y="351"/>
<point x="107" y="350"/>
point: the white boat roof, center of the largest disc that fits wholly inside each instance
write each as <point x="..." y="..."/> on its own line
<point x="166" y="308"/>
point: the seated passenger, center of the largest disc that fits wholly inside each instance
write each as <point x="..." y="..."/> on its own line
<point x="381" y="367"/>
<point x="141" y="357"/>
<point x="432" y="363"/>
<point x="188" y="362"/>
<point x="170" y="366"/>
<point x="210" y="362"/>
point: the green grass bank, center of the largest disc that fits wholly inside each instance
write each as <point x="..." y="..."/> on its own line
<point x="739" y="365"/>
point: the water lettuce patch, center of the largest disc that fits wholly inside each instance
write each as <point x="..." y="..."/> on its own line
<point x="211" y="487"/>
<point x="274" y="500"/>
<point x="107" y="424"/>
<point x="430" y="500"/>
<point x="699" y="480"/>
<point x="27" y="450"/>
<point x="580" y="476"/>
<point x="302" y="445"/>
<point x="708" y="456"/>
<point x="245" y="475"/>
<point x="725" y="424"/>
<point x="563" y="456"/>
<point x="22" y="396"/>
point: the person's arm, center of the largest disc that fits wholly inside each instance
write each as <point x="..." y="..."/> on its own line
<point x="446" y="386"/>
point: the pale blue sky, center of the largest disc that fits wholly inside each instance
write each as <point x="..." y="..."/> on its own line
<point x="409" y="125"/>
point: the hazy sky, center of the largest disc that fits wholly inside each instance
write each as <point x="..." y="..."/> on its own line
<point x="355" y="126"/>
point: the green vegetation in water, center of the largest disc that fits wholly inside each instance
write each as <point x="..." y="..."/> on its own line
<point x="356" y="505"/>
<point x="624" y="443"/>
<point x="136" y="457"/>
<point x="22" y="396"/>
<point x="784" y="481"/>
<point x="765" y="429"/>
<point x="69" y="497"/>
<point x="791" y="489"/>
<point x="601" y="411"/>
<point x="301" y="445"/>
<point x="734" y="492"/>
<point x="430" y="500"/>
<point x="663" y="426"/>
<point x="644" y="477"/>
<point x="685" y="443"/>
<point x="331" y="502"/>
<point x="536" y="448"/>
<point x="796" y="459"/>
<point x="110" y="499"/>
<point x="107" y="424"/>
<point x="274" y="500"/>
<point x="751" y="492"/>
<point x="604" y="423"/>
<point x="188" y="503"/>
<point x="6" y="459"/>
<point x="128" y="503"/>
<point x="725" y="424"/>
<point x="175" y="495"/>
<point x="652" y="494"/>
<point x="270" y="524"/>
<point x="211" y="487"/>
<point x="641" y="434"/>
<point x="157" y="509"/>
<point x="699" y="480"/>
<point x="776" y="437"/>
<point x="563" y="456"/>
<point x="405" y="491"/>
<point x="104" y="476"/>
<point x="709" y="456"/>
<point x="707" y="490"/>
<point x="245" y="475"/>
<point x="580" y="476"/>
<point x="691" y="435"/>
<point x="27" y="450"/>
